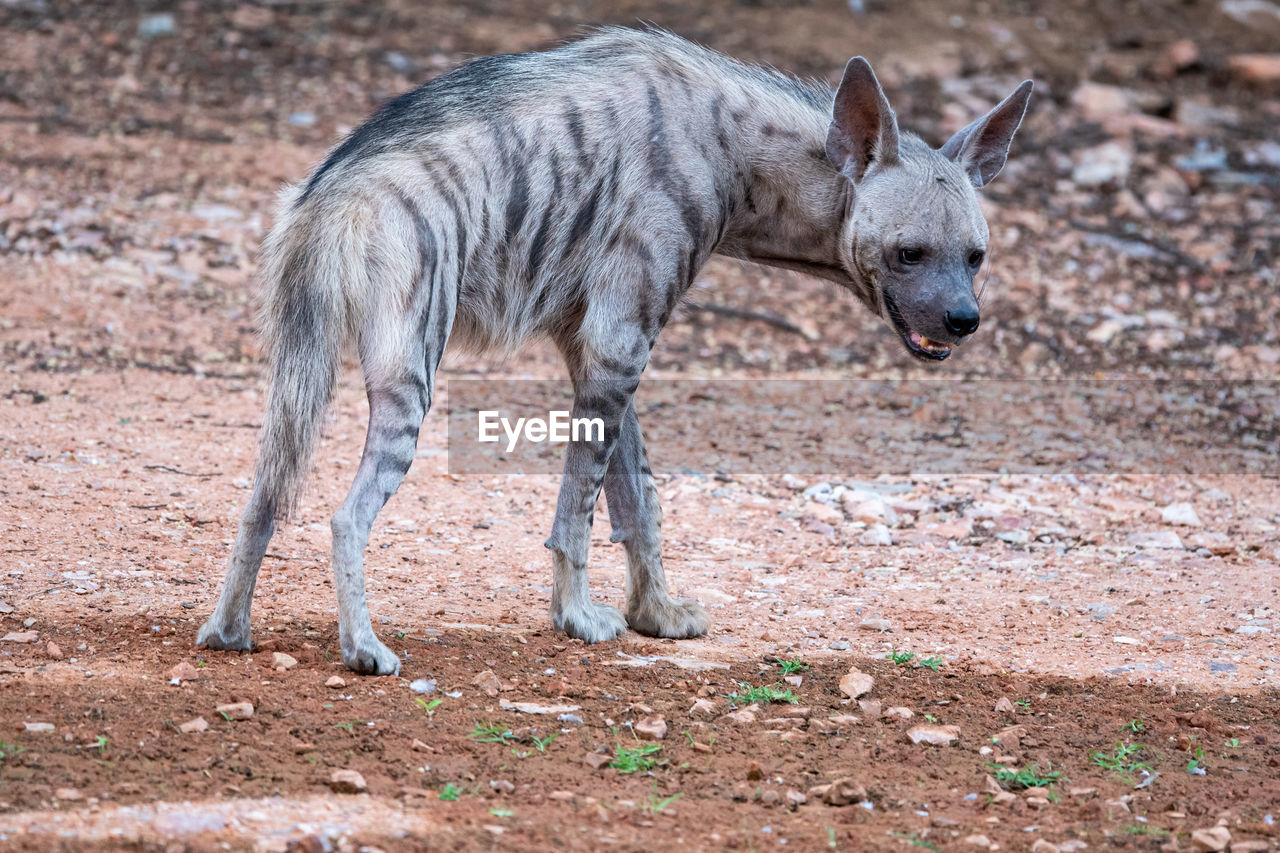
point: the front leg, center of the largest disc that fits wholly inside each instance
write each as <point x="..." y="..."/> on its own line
<point x="636" y="517"/>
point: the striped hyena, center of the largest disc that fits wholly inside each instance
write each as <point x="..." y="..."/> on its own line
<point x="575" y="194"/>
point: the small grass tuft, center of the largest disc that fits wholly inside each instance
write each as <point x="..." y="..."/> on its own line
<point x="635" y="759"/>
<point x="1122" y="759"/>
<point x="765" y="693"/>
<point x="1028" y="777"/>
<point x="1135" y="725"/>
<point x="901" y="658"/>
<point x="429" y="707"/>
<point x="487" y="732"/>
<point x="655" y="804"/>
<point x="933" y="663"/>
<point x="791" y="667"/>
<point x="450" y="793"/>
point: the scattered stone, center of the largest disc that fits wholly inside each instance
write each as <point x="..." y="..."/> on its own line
<point x="978" y="841"/>
<point x="744" y="717"/>
<point x="795" y="798"/>
<point x="856" y="684"/>
<point x="344" y="781"/>
<point x="871" y="708"/>
<point x="1042" y="846"/>
<point x="304" y="118"/>
<point x="53" y="650"/>
<point x="503" y="786"/>
<point x="282" y="661"/>
<point x="793" y="680"/>
<point x="596" y="760"/>
<point x="488" y="683"/>
<point x="934" y="735"/>
<point x="754" y="772"/>
<point x="70" y="794"/>
<point x="183" y="671"/>
<point x="1098" y="101"/>
<point x="1004" y="705"/>
<point x="703" y="706"/>
<point x="1214" y="838"/>
<point x="1103" y="164"/>
<point x="190" y="727"/>
<point x="562" y="796"/>
<point x="419" y="746"/>
<point x="1257" y="68"/>
<point x="1181" y="55"/>
<point x="570" y="719"/>
<point x="651" y="728"/>
<point x="236" y="710"/>
<point x="20" y="637"/>
<point x="898" y="713"/>
<point x="422" y="685"/>
<point x="336" y="681"/>
<point x="1257" y="845"/>
<point x="1181" y="513"/>
<point x="843" y="792"/>
<point x="157" y="26"/>
<point x="1154" y="539"/>
<point x="535" y="708"/>
<point x="881" y="625"/>
<point x="877" y="535"/>
<point x="38" y="728"/>
<point x="1082" y="793"/>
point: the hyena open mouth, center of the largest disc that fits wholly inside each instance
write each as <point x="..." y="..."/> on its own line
<point x="917" y="344"/>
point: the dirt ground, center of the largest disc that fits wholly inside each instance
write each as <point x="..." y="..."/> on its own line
<point x="1116" y="628"/>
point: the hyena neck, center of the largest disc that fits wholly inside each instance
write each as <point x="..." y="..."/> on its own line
<point x="793" y="201"/>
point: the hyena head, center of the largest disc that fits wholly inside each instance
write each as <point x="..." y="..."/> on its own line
<point x="914" y="236"/>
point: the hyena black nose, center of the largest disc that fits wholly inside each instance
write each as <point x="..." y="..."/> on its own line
<point x="963" y="322"/>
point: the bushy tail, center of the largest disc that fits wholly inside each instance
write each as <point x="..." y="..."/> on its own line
<point x="306" y="321"/>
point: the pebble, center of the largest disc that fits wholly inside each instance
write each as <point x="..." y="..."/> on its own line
<point x="596" y="760"/>
<point x="934" y="735"/>
<point x="839" y="645"/>
<point x="535" y="708"/>
<point x="337" y="681"/>
<point x="1108" y="163"/>
<point x="347" y="782"/>
<point x="156" y="26"/>
<point x="38" y="728"/>
<point x="651" y="728"/>
<point x="183" y="671"/>
<point x="199" y="724"/>
<point x="795" y="798"/>
<point x="856" y="684"/>
<point x="876" y="534"/>
<point x="872" y="708"/>
<point x="488" y="683"/>
<point x="53" y="650"/>
<point x="236" y="710"/>
<point x="1154" y="539"/>
<point x="1004" y="705"/>
<point x="898" y="713"/>
<point x="20" y="637"/>
<point x="1213" y="838"/>
<point x="68" y="794"/>
<point x="1042" y="846"/>
<point x="571" y="719"/>
<point x="881" y="625"/>
<point x="282" y="661"/>
<point x="420" y="746"/>
<point x="977" y="841"/>
<point x="1256" y="68"/>
<point x="703" y="706"/>
<point x="1181" y="513"/>
<point x="422" y="685"/>
<point x="798" y="680"/>
<point x="842" y="792"/>
<point x="745" y="717"/>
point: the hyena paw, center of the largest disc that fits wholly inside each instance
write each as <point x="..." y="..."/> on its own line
<point x="676" y="618"/>
<point x="229" y="638"/>
<point x="370" y="657"/>
<point x="593" y="623"/>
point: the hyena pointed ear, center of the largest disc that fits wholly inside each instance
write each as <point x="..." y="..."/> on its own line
<point x="864" y="129"/>
<point x="982" y="147"/>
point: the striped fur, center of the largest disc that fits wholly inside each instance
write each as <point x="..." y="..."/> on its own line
<point x="575" y="194"/>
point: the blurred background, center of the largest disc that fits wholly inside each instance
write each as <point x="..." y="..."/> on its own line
<point x="1135" y="228"/>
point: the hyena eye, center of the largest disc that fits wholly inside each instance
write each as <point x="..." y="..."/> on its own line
<point x="975" y="257"/>
<point x="911" y="256"/>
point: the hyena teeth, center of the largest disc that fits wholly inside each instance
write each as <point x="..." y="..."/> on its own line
<point x="925" y="343"/>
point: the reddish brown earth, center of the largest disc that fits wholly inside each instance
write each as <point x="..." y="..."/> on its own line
<point x="136" y="180"/>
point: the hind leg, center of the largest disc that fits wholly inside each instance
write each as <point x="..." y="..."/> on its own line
<point x="228" y="627"/>
<point x="636" y="517"/>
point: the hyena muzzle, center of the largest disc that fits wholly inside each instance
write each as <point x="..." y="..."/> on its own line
<point x="575" y="194"/>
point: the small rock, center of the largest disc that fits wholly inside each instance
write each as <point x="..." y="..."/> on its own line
<point x="70" y="794"/>
<point x="871" y="708"/>
<point x="1082" y="793"/>
<point x="236" y="710"/>
<point x="745" y="717"/>
<point x="842" y="792"/>
<point x="20" y="637"/>
<point x="881" y="625"/>
<point x="793" y="680"/>
<point x="1108" y="163"/>
<point x="1042" y="846"/>
<point x="419" y="746"/>
<point x="1097" y="101"/>
<point x="302" y="119"/>
<point x="423" y="685"/>
<point x="281" y="661"/>
<point x="596" y="760"/>
<point x="898" y="713"/>
<point x="795" y="798"/>
<point x="977" y="841"/>
<point x="877" y="535"/>
<point x="38" y="728"/>
<point x="754" y="772"/>
<point x="183" y="671"/>
<point x="53" y="650"/>
<point x="535" y="708"/>
<point x="336" y="681"/>
<point x="347" y="782"/>
<point x="199" y="724"/>
<point x="651" y="728"/>
<point x="770" y="797"/>
<point x="934" y="735"/>
<point x="487" y="682"/>
<point x="1181" y="55"/>
<point x="856" y="684"/>
<point x="1257" y="845"/>
<point x="703" y="706"/>
<point x="1154" y="539"/>
<point x="1257" y="68"/>
<point x="1213" y="838"/>
<point x="503" y="786"/>
<point x="1181" y="513"/>
<point x="562" y="796"/>
<point x="1004" y="705"/>
<point x="1036" y="792"/>
<point x="157" y="26"/>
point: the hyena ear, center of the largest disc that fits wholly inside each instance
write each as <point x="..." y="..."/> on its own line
<point x="864" y="129"/>
<point x="982" y="147"/>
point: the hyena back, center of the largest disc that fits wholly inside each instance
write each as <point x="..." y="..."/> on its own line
<point x="575" y="194"/>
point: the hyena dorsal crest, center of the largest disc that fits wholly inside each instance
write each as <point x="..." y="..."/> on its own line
<point x="575" y="194"/>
